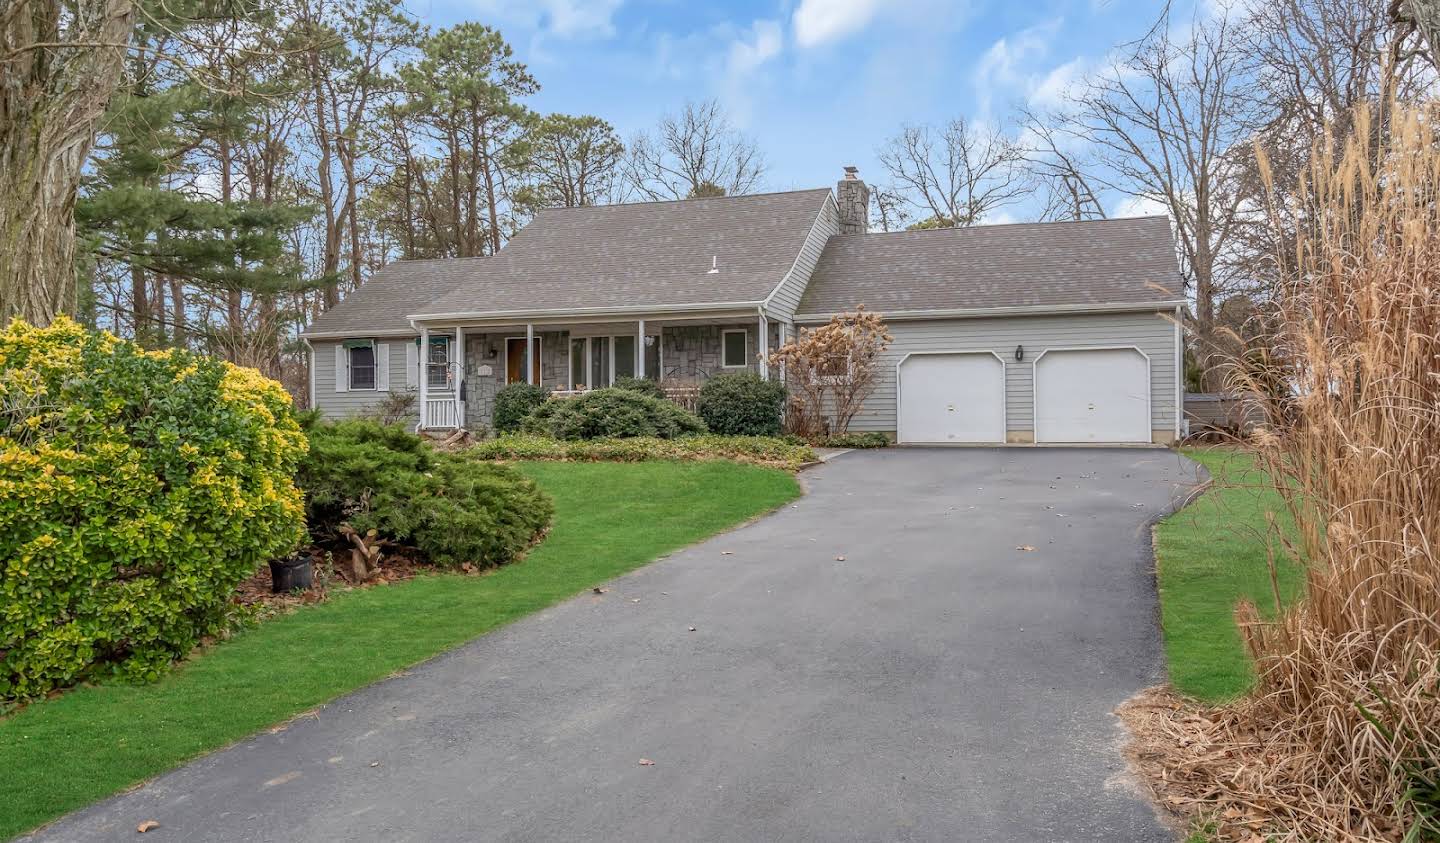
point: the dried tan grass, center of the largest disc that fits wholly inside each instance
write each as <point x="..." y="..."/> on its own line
<point x="1344" y="723"/>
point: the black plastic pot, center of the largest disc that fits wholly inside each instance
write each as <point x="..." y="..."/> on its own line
<point x="287" y="575"/>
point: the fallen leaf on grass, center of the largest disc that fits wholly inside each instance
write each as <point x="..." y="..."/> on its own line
<point x="1025" y="547"/>
<point x="646" y="762"/>
<point x="147" y="826"/>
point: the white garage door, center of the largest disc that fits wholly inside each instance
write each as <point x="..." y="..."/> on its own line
<point x="952" y="398"/>
<point x="1099" y="395"/>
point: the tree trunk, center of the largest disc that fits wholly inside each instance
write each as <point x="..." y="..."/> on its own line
<point x="51" y="100"/>
<point x="177" y="304"/>
<point x="140" y="305"/>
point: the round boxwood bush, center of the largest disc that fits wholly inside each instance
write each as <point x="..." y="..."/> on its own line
<point x="644" y="386"/>
<point x="137" y="490"/>
<point x="514" y="402"/>
<point x="611" y="414"/>
<point x="742" y="404"/>
<point x="452" y="509"/>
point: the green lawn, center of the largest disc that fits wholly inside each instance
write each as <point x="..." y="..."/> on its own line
<point x="610" y="518"/>
<point x="1211" y="555"/>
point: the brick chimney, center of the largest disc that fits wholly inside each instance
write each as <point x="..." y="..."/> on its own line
<point x="852" y="197"/>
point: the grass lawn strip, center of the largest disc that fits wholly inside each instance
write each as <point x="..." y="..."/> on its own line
<point x="87" y="744"/>
<point x="1211" y="555"/>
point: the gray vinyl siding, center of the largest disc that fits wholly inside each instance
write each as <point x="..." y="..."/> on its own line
<point x="787" y="295"/>
<point x="355" y="402"/>
<point x="1152" y="333"/>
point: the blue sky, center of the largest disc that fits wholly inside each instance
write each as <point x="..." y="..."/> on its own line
<point x="818" y="83"/>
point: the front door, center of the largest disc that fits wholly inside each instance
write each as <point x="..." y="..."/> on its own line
<point x="515" y="360"/>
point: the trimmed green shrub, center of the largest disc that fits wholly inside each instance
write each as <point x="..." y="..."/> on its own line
<point x="514" y="402"/>
<point x="137" y="490"/>
<point x="386" y="479"/>
<point x="742" y="404"/>
<point x="871" y="439"/>
<point x="611" y="413"/>
<point x="759" y="450"/>
<point x="644" y="386"/>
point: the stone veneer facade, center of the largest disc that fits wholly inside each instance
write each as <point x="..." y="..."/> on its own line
<point x="688" y="354"/>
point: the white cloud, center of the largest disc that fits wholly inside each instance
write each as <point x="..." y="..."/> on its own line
<point x="1140" y="206"/>
<point x="748" y="52"/>
<point x="754" y="48"/>
<point x="1004" y="65"/>
<point x="1053" y="89"/>
<point x="819" y="21"/>
<point x="570" y="19"/>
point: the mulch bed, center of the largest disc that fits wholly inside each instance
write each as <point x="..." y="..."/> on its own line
<point x="331" y="573"/>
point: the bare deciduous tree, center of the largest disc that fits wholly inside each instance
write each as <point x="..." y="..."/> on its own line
<point x="955" y="174"/>
<point x="695" y="153"/>
<point x="1060" y="171"/>
<point x="60" y="62"/>
<point x="1170" y="124"/>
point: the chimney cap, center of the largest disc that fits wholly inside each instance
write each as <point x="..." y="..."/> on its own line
<point x="852" y="172"/>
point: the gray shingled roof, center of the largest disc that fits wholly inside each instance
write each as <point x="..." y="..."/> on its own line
<point x="382" y="304"/>
<point x="1096" y="262"/>
<point x="646" y="254"/>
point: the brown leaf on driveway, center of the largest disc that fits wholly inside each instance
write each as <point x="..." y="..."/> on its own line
<point x="1026" y="547"/>
<point x="146" y="826"/>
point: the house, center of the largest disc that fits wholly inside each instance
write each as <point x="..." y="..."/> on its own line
<point x="1033" y="332"/>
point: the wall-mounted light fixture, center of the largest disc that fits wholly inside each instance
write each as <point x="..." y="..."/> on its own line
<point x="1019" y="353"/>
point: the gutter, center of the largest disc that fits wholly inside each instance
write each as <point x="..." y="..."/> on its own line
<point x="982" y="312"/>
<point x="357" y="332"/>
<point x="641" y="310"/>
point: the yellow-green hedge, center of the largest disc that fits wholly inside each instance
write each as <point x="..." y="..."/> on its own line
<point x="137" y="488"/>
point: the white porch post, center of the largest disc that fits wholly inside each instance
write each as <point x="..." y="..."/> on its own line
<point x="424" y="356"/>
<point x="459" y="375"/>
<point x="640" y="350"/>
<point x="530" y="353"/>
<point x="764" y="345"/>
<point x="784" y="335"/>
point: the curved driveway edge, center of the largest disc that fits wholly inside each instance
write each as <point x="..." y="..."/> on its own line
<point x="951" y="678"/>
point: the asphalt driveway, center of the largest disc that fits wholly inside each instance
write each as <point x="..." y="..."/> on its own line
<point x="878" y="661"/>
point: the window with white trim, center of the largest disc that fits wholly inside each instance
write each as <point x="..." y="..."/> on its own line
<point x="596" y="362"/>
<point x="735" y="348"/>
<point x="361" y="363"/>
<point x="437" y="363"/>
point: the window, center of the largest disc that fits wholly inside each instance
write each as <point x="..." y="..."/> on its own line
<point x="437" y="362"/>
<point x="624" y="356"/>
<point x="735" y="349"/>
<point x="595" y="362"/>
<point x="577" y="363"/>
<point x="834" y="366"/>
<point x="362" y="364"/>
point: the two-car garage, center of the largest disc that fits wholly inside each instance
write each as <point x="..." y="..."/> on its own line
<point x="1077" y="395"/>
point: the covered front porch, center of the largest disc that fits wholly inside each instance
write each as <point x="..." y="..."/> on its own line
<point x="466" y="362"/>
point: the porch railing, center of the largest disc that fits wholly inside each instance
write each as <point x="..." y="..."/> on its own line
<point x="441" y="413"/>
<point x="686" y="395"/>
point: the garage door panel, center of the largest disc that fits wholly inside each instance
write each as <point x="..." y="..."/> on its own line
<point x="956" y="398"/>
<point x="1092" y="395"/>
